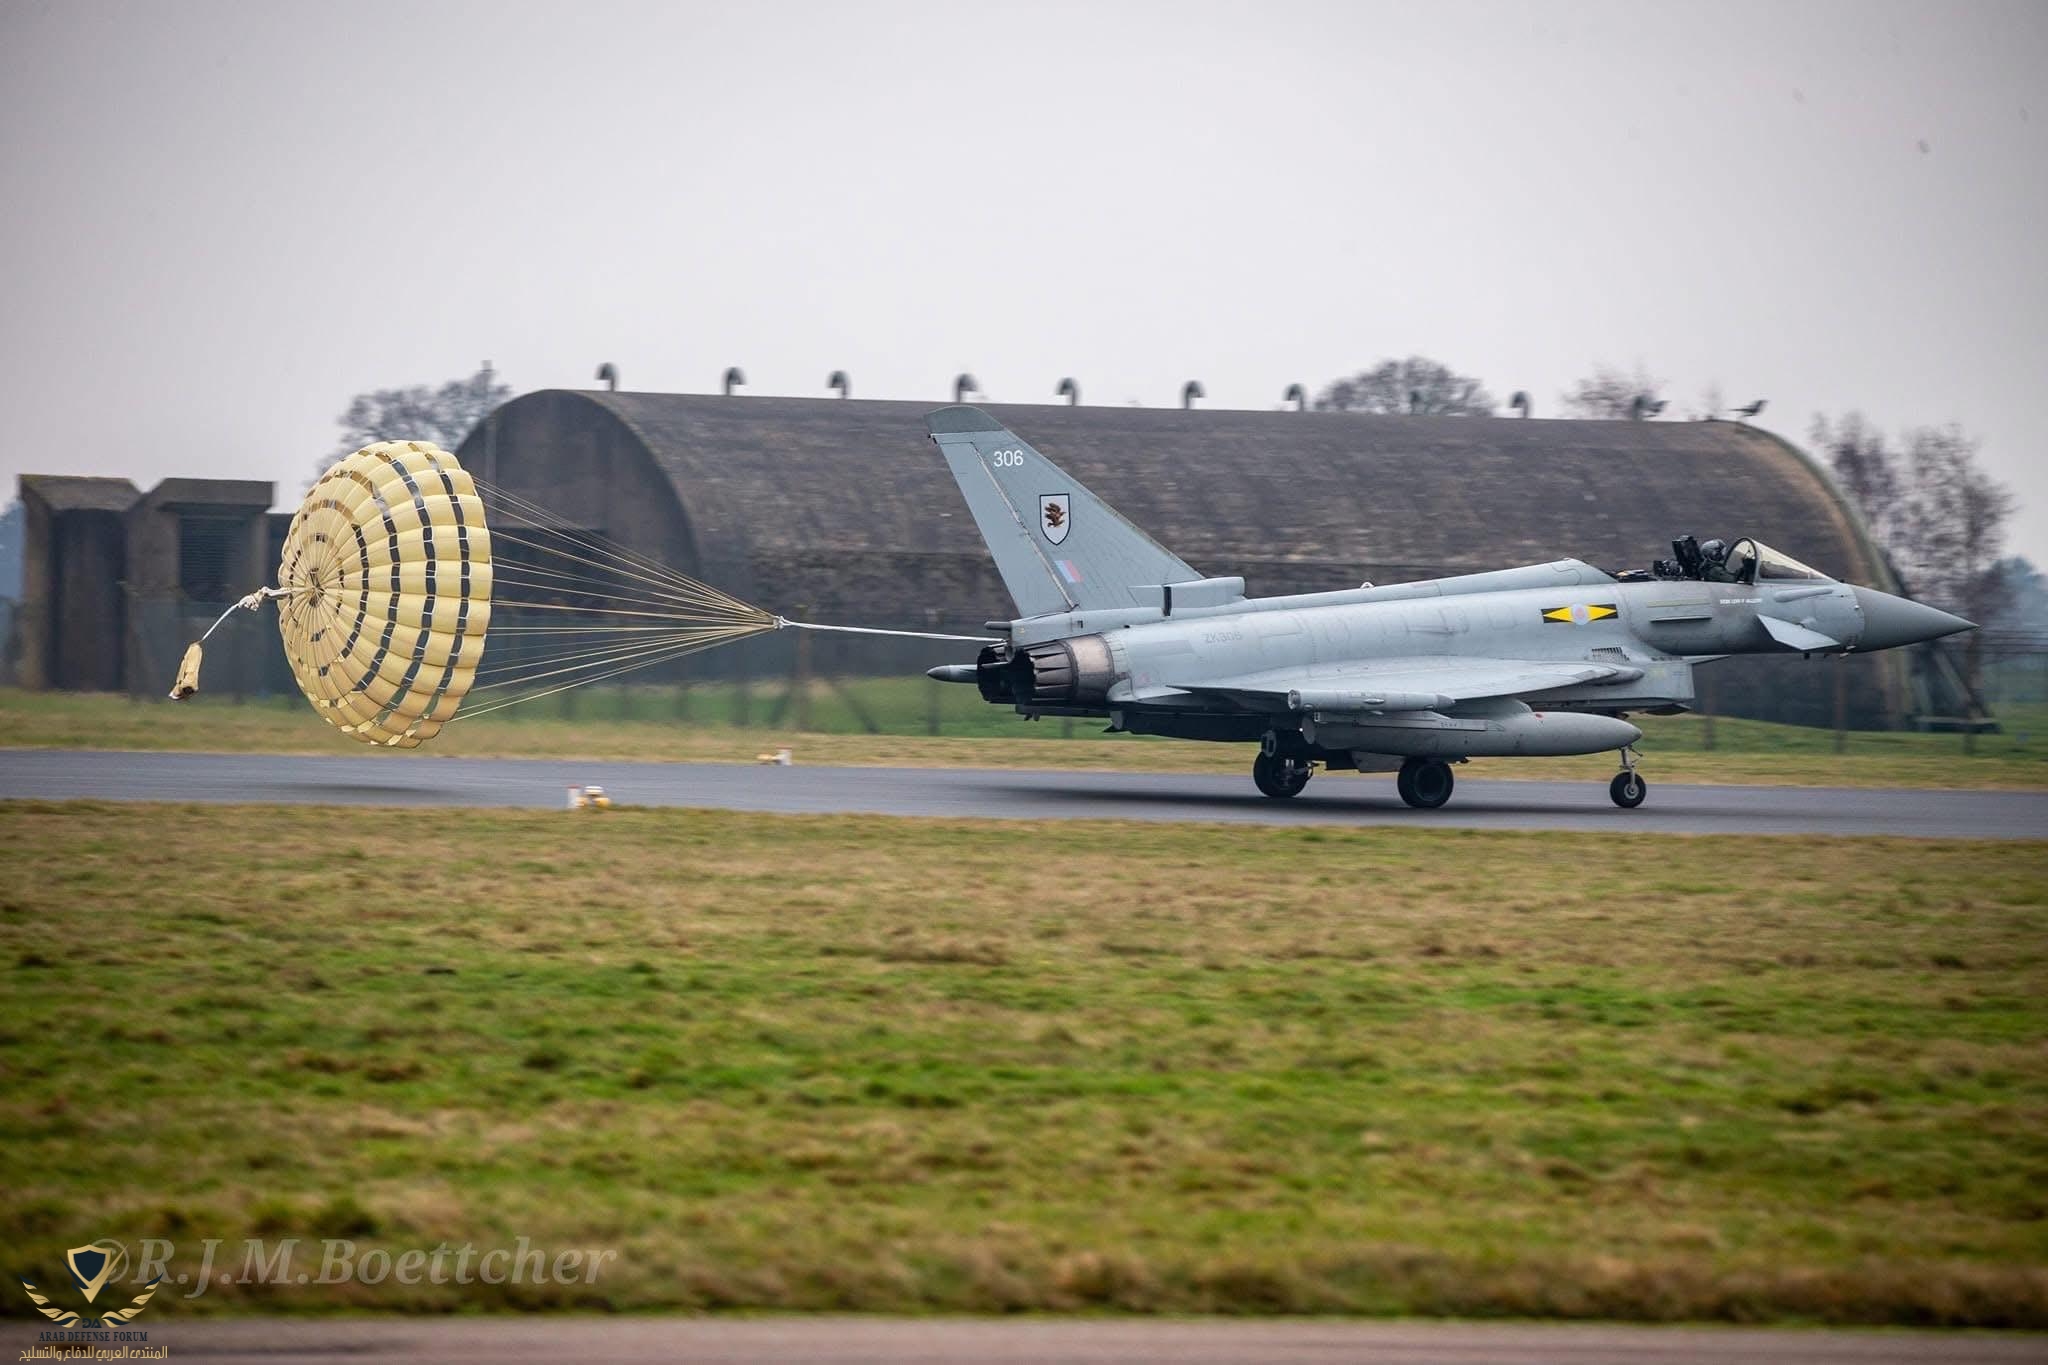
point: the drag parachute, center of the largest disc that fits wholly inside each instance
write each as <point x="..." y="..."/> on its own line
<point x="384" y="592"/>
<point x="388" y="583"/>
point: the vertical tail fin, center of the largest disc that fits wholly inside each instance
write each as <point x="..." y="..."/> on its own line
<point x="1057" y="545"/>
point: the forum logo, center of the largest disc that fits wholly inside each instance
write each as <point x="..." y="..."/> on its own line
<point x="92" y="1267"/>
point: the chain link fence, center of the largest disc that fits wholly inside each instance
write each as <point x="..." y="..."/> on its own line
<point x="796" y="680"/>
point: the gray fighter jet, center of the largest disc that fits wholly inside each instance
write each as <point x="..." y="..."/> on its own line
<point x="1405" y="677"/>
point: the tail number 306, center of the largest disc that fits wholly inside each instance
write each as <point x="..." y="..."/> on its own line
<point x="1006" y="459"/>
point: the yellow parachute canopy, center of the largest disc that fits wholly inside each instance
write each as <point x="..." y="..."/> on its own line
<point x="384" y="592"/>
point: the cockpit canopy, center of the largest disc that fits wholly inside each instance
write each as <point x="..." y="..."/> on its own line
<point x="1761" y="564"/>
<point x="1744" y="561"/>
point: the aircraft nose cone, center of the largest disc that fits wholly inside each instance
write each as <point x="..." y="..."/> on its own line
<point x="1892" y="621"/>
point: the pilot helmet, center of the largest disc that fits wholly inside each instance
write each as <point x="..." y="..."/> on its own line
<point x="1715" y="550"/>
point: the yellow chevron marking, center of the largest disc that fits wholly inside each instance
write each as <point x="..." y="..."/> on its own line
<point x="1599" y="613"/>
<point x="1563" y="614"/>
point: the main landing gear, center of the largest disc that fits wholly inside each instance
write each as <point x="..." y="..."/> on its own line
<point x="1280" y="777"/>
<point x="1425" y="783"/>
<point x="1628" y="789"/>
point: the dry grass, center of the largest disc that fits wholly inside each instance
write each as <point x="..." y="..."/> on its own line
<point x="854" y="1063"/>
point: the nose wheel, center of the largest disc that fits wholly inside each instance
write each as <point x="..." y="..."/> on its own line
<point x="1628" y="789"/>
<point x="1280" y="777"/>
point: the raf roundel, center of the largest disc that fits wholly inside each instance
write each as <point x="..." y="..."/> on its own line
<point x="385" y="592"/>
<point x="1580" y="613"/>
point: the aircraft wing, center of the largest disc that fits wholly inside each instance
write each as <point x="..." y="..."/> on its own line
<point x="1410" y="684"/>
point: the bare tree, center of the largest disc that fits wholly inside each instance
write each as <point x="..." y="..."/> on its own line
<point x="1864" y="467"/>
<point x="1415" y="385"/>
<point x="1708" y="405"/>
<point x="443" y="415"/>
<point x="1955" y="515"/>
<point x="1940" y="517"/>
<point x="1613" y="395"/>
<point x="1932" y="506"/>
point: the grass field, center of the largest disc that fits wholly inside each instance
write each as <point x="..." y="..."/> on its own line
<point x="655" y="725"/>
<point x="854" y="1063"/>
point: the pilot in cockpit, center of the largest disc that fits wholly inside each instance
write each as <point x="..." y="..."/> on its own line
<point x="1716" y="561"/>
<point x="1724" y="563"/>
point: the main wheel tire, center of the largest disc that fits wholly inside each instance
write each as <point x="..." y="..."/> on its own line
<point x="1627" y="790"/>
<point x="1425" y="783"/>
<point x="1279" y="777"/>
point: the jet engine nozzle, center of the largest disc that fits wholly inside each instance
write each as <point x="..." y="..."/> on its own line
<point x="1074" y="672"/>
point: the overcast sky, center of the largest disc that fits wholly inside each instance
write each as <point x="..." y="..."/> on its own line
<point x="219" y="221"/>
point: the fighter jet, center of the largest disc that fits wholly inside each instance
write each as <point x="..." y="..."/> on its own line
<point x="1407" y="678"/>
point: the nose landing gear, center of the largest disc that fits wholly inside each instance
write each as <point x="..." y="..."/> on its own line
<point x="1628" y="789"/>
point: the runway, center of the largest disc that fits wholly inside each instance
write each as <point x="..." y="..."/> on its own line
<point x="1003" y="794"/>
<point x="1042" y="1341"/>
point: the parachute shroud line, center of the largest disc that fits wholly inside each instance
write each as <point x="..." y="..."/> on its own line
<point x="783" y="622"/>
<point x="392" y="571"/>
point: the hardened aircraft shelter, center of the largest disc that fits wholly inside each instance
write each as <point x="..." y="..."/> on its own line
<point x="841" y="510"/>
